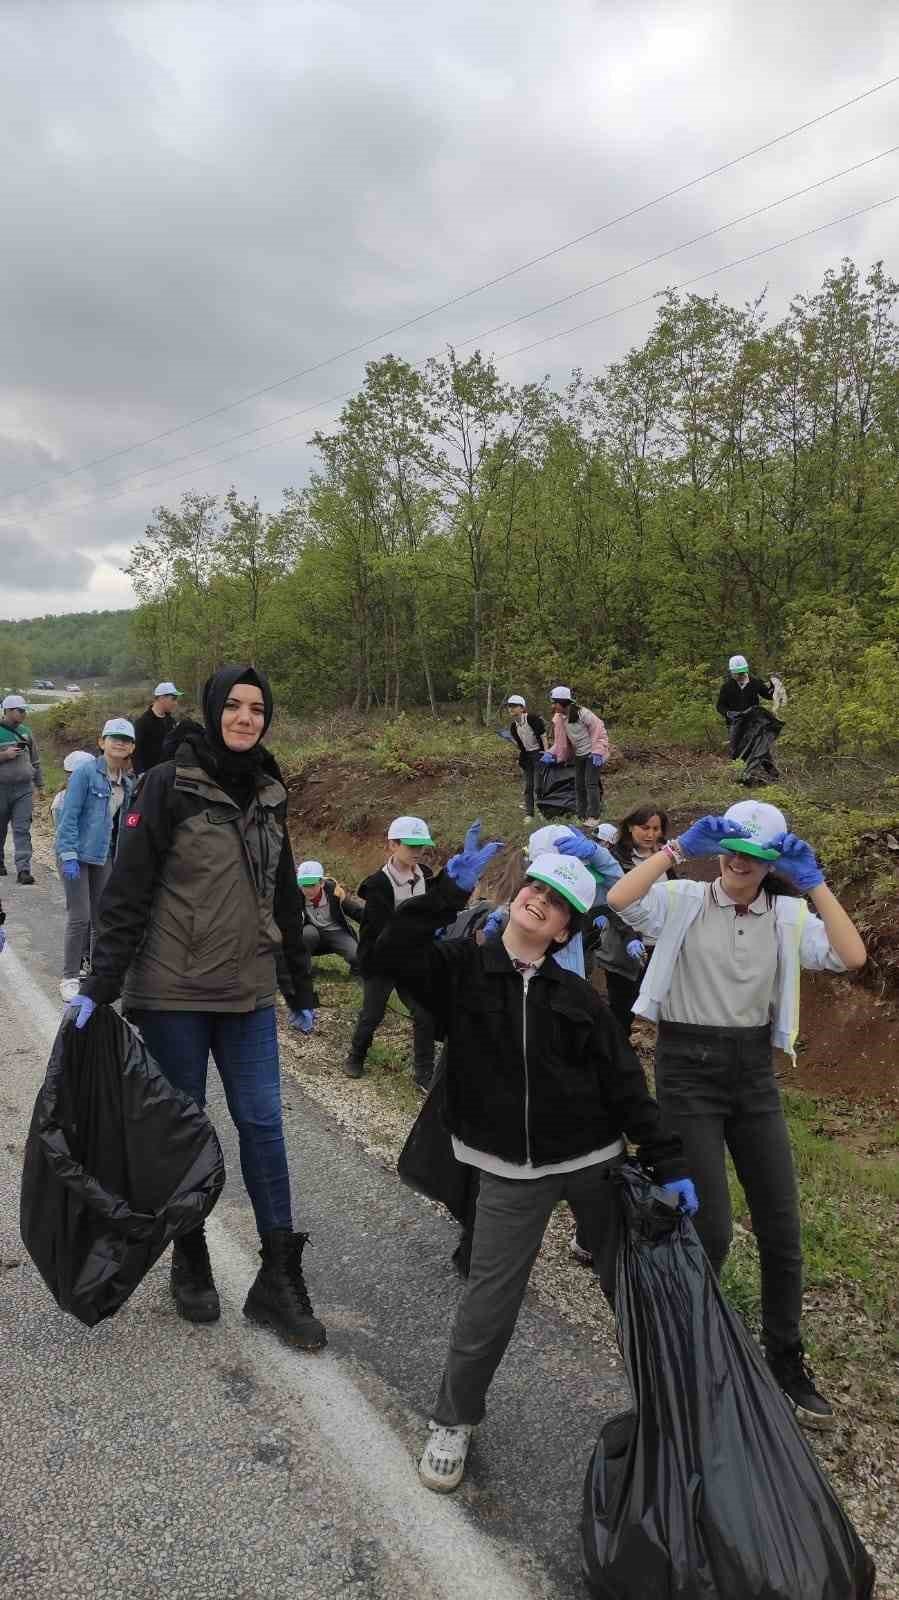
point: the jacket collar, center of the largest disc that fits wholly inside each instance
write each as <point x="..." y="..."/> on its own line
<point x="496" y="959"/>
<point x="269" y="792"/>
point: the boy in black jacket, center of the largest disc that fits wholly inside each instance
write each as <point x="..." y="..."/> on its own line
<point x="541" y="1088"/>
<point x="401" y="878"/>
<point x="527" y="730"/>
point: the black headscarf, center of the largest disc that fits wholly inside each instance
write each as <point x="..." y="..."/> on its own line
<point x="236" y="771"/>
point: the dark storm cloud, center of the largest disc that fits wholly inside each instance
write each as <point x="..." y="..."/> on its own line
<point x="32" y="564"/>
<point x="200" y="200"/>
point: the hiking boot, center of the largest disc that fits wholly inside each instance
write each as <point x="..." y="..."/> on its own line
<point x="792" y="1372"/>
<point x="3" y="871"/>
<point x="354" y="1066"/>
<point x="191" y="1281"/>
<point x="25" y="876"/>
<point x="442" y="1467"/>
<point x="423" y="1077"/>
<point x="279" y="1298"/>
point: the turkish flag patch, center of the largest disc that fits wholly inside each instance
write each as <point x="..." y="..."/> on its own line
<point x="132" y="819"/>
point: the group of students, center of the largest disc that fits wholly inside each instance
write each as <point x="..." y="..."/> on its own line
<point x="542" y="1088"/>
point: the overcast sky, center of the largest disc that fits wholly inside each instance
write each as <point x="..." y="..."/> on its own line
<point x="200" y="200"/>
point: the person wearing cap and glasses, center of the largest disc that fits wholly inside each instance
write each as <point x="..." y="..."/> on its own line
<point x="403" y="877"/>
<point x="541" y="1090"/>
<point x="580" y="736"/>
<point x="723" y="986"/>
<point x="153" y="727"/>
<point x="326" y="907"/>
<point x="527" y="730"/>
<point x="87" y="837"/>
<point x="20" y="776"/>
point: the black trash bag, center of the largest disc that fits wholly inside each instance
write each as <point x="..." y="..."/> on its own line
<point x="752" y="737"/>
<point x="427" y="1162"/>
<point x="708" y="1490"/>
<point x="555" y="790"/>
<point x="117" y="1163"/>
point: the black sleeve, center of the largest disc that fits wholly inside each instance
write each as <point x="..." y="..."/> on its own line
<point x="763" y="688"/>
<point x="539" y="726"/>
<point x="722" y="704"/>
<point x="125" y="906"/>
<point x="288" y="908"/>
<point x="636" y="1112"/>
<point x="407" y="950"/>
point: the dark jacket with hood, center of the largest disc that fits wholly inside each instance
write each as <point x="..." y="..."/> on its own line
<point x="538" y="729"/>
<point x="543" y="1075"/>
<point x="732" y="697"/>
<point x="203" y="892"/>
<point x="380" y="905"/>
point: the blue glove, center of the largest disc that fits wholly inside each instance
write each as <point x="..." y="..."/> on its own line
<point x="303" y="1021"/>
<point x="495" y="924"/>
<point x="636" y="949"/>
<point x="601" y="923"/>
<point x="71" y="869"/>
<point x="797" y="862"/>
<point x="598" y="761"/>
<point x="577" y="844"/>
<point x="81" y="1007"/>
<point x="466" y="868"/>
<point x="2" y="941"/>
<point x="705" y="836"/>
<point x="685" y="1191"/>
<point x="548" y="760"/>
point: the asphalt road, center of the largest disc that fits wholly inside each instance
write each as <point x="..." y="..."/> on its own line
<point x="161" y="1461"/>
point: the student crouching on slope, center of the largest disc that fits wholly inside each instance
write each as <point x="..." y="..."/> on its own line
<point x="723" y="985"/>
<point x="541" y="1089"/>
<point x="202" y="894"/>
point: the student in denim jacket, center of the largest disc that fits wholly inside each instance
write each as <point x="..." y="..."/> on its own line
<point x="99" y="792"/>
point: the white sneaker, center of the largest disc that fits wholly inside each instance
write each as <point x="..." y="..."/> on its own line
<point x="442" y="1467"/>
<point x="583" y="1257"/>
<point x="69" y="988"/>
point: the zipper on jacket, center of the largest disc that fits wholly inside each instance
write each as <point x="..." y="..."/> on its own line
<point x="524" y="1051"/>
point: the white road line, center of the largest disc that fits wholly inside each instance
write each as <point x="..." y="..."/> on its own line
<point x="460" y="1562"/>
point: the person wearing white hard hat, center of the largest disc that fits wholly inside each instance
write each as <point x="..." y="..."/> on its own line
<point x="404" y="876"/>
<point x="153" y="727"/>
<point x="541" y="1092"/>
<point x="527" y="730"/>
<point x="87" y="831"/>
<point x="723" y="986"/>
<point x="20" y="776"/>
<point x="579" y="735"/>
<point x="326" y="907"/>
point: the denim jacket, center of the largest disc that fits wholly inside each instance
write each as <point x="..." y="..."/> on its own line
<point x="85" y="825"/>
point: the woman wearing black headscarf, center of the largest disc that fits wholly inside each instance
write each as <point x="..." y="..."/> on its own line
<point x="202" y="896"/>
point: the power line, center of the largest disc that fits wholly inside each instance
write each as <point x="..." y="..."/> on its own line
<point x="458" y="299"/>
<point x="624" y="272"/>
<point x="507" y="355"/>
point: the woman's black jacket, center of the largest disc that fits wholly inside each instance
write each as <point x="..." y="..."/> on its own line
<point x="537" y="727"/>
<point x="542" y="1075"/>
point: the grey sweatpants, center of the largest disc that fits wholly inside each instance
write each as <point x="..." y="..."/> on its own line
<point x="16" y="800"/>
<point x="511" y="1219"/>
<point x="330" y="942"/>
<point x="82" y="905"/>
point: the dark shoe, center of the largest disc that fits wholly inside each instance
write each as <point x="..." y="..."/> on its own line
<point x="279" y="1298"/>
<point x="353" y="1067"/>
<point x="423" y="1080"/>
<point x="795" y="1377"/>
<point x="3" y="871"/>
<point x="25" y="876"/>
<point x="192" y="1283"/>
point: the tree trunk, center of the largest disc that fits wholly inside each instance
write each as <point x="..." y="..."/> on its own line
<point x="423" y="652"/>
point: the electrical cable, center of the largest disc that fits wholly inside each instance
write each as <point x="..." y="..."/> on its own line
<point x="455" y="300"/>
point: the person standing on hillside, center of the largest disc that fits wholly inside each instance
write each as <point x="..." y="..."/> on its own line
<point x="153" y="727"/>
<point x="739" y="691"/>
<point x="527" y="730"/>
<point x="579" y="736"/>
<point x="20" y="776"/>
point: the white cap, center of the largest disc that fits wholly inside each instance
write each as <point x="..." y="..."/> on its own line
<point x="15" y="702"/>
<point x="763" y="822"/>
<point x="117" y="728"/>
<point x="568" y="876"/>
<point x="76" y="758"/>
<point x="166" y="688"/>
<point x="309" y="872"/>
<point x="606" y="833"/>
<point x="409" y="830"/>
<point x="544" y="839"/>
<point x="516" y="700"/>
<point x="738" y="664"/>
<point x="561" y="692"/>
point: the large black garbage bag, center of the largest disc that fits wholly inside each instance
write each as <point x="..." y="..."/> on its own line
<point x="427" y="1163"/>
<point x="555" y="791"/>
<point x="117" y="1163"/>
<point x="752" y="736"/>
<point x="708" y="1490"/>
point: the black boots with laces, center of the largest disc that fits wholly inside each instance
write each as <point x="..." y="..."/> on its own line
<point x="796" y="1378"/>
<point x="192" y="1283"/>
<point x="279" y="1298"/>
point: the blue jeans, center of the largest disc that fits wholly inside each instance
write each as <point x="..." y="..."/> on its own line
<point x="244" y="1046"/>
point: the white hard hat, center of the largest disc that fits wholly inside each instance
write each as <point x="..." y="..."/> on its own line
<point x="568" y="876"/>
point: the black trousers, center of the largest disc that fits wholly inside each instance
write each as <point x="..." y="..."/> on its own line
<point x="622" y="992"/>
<point x="376" y="992"/>
<point x="587" y="788"/>
<point x="528" y="766"/>
<point x="716" y="1088"/>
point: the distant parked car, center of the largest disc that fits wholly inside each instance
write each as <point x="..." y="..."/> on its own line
<point x="45" y="683"/>
<point x="73" y="688"/>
